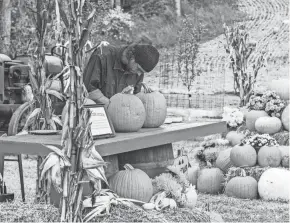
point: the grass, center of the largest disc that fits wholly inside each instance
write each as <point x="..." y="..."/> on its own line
<point x="231" y="209"/>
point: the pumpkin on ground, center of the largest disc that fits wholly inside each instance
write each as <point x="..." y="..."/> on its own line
<point x="210" y="181"/>
<point x="155" y="107"/>
<point x="252" y="116"/>
<point x="234" y="137"/>
<point x="244" y="155"/>
<point x="127" y="112"/>
<point x="274" y="184"/>
<point x="223" y="160"/>
<point x="285" y="118"/>
<point x="281" y="87"/>
<point x="244" y="187"/>
<point x="192" y="174"/>
<point x="132" y="183"/>
<point x="269" y="156"/>
<point x="268" y="125"/>
<point x="285" y="155"/>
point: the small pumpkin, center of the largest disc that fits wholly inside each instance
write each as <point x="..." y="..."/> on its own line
<point x="269" y="156"/>
<point x="285" y="118"/>
<point x="252" y="116"/>
<point x="127" y="112"/>
<point x="132" y="183"/>
<point x="210" y="180"/>
<point x="192" y="174"/>
<point x="285" y="155"/>
<point x="223" y="160"/>
<point x="155" y="107"/>
<point x="244" y="187"/>
<point x="281" y="87"/>
<point x="234" y="137"/>
<point x="274" y="184"/>
<point x="244" y="155"/>
<point x="268" y="125"/>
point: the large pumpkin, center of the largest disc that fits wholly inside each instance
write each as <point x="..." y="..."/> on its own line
<point x="210" y="181"/>
<point x="243" y="156"/>
<point x="252" y="116"/>
<point x="285" y="155"/>
<point x="281" y="87"/>
<point x="268" y="125"/>
<point x="223" y="160"/>
<point x="269" y="156"/>
<point x="244" y="187"/>
<point x="127" y="112"/>
<point x="132" y="183"/>
<point x="285" y="118"/>
<point x="155" y="107"/>
<point x="274" y="184"/>
<point x="234" y="137"/>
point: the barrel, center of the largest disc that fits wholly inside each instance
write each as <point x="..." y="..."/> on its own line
<point x="152" y="161"/>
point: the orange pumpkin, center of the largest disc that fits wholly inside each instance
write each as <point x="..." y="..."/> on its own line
<point x="155" y="107"/>
<point x="234" y="137"/>
<point x="245" y="187"/>
<point x="210" y="181"/>
<point x="285" y="118"/>
<point x="243" y="156"/>
<point x="223" y="160"/>
<point x="192" y="174"/>
<point x="285" y="155"/>
<point x="268" y="125"/>
<point x="252" y="116"/>
<point x="281" y="87"/>
<point x="269" y="156"/>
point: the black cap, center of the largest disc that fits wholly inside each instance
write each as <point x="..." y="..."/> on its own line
<point x="147" y="56"/>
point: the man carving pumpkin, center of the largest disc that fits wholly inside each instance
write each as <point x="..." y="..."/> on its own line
<point x="111" y="69"/>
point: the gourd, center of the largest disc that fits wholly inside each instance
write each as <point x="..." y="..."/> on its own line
<point x="223" y="160"/>
<point x="127" y="112"/>
<point x="243" y="156"/>
<point x="285" y="118"/>
<point x="245" y="187"/>
<point x="252" y="116"/>
<point x="64" y="110"/>
<point x="192" y="174"/>
<point x="155" y="107"/>
<point x="285" y="155"/>
<point x="234" y="137"/>
<point x="268" y="125"/>
<point x="281" y="87"/>
<point x="132" y="183"/>
<point x="274" y="184"/>
<point x="210" y="181"/>
<point x="269" y="156"/>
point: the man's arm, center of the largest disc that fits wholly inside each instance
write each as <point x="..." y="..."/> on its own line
<point x="138" y="85"/>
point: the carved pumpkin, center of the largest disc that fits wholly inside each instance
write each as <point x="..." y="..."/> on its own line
<point x="244" y="187"/>
<point x="281" y="87"/>
<point x="223" y="160"/>
<point x="234" y="137"/>
<point x="127" y="112"/>
<point x="268" y="125"/>
<point x="285" y="155"/>
<point x="210" y="181"/>
<point x="269" y="156"/>
<point x="155" y="107"/>
<point x="252" y="116"/>
<point x="285" y="118"/>
<point x="243" y="156"/>
<point x="132" y="183"/>
<point x="274" y="184"/>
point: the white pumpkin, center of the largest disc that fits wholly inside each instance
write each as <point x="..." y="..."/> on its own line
<point x="285" y="118"/>
<point x="274" y="184"/>
<point x="268" y="125"/>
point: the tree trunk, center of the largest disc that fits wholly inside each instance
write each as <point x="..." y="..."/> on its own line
<point x="5" y="25"/>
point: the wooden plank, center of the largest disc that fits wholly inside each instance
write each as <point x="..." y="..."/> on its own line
<point x="123" y="142"/>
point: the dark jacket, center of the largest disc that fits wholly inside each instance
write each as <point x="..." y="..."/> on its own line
<point x="105" y="71"/>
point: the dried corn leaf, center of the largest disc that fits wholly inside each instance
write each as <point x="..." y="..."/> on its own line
<point x="48" y="163"/>
<point x="55" y="93"/>
<point x="56" y="177"/>
<point x="31" y="118"/>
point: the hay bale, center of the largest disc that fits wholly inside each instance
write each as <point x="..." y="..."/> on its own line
<point x="282" y="138"/>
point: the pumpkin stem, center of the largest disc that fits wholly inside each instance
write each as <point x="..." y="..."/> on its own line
<point x="146" y="88"/>
<point x="128" y="166"/>
<point x="243" y="173"/>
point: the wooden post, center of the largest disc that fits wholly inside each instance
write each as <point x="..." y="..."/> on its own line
<point x="178" y="7"/>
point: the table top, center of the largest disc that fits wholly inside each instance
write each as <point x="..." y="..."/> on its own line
<point x="122" y="142"/>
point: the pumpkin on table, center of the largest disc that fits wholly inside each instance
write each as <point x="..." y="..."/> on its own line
<point x="285" y="118"/>
<point x="210" y="180"/>
<point x="252" y="116"/>
<point x="244" y="155"/>
<point x="127" y="112"/>
<point x="269" y="125"/>
<point x="245" y="187"/>
<point x="155" y="107"/>
<point x="132" y="183"/>
<point x="269" y="156"/>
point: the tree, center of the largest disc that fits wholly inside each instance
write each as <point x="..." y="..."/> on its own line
<point x="5" y="25"/>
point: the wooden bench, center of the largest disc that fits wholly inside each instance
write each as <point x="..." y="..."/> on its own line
<point x="119" y="148"/>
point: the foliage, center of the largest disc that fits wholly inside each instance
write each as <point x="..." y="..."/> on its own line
<point x="233" y="116"/>
<point x="245" y="72"/>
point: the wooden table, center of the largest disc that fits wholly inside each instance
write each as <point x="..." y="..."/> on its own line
<point x="128" y="143"/>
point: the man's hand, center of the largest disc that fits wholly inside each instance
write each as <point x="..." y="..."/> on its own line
<point x="128" y="90"/>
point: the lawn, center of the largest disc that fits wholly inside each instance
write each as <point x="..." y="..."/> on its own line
<point x="231" y="209"/>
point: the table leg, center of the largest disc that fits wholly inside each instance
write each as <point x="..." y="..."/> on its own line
<point x="2" y="164"/>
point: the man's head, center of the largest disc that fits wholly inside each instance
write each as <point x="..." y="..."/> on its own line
<point x="140" y="58"/>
